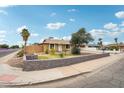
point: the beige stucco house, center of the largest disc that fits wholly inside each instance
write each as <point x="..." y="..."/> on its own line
<point x="56" y="44"/>
<point x="48" y="44"/>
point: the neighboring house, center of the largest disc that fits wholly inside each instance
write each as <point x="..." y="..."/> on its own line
<point x="121" y="46"/>
<point x="58" y="45"/>
<point x="48" y="44"/>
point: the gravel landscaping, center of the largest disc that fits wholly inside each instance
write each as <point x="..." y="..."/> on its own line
<point x="16" y="62"/>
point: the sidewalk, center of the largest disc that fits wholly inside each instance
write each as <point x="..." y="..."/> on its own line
<point x="15" y="76"/>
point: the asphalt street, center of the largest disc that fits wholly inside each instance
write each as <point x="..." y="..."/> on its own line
<point x="4" y="52"/>
<point x="110" y="77"/>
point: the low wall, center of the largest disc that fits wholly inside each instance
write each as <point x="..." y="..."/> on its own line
<point x="31" y="65"/>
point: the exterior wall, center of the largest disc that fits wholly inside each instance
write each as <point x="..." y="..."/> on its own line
<point x="31" y="65"/>
<point x="122" y="48"/>
<point x="34" y="49"/>
<point x="45" y="47"/>
<point x="42" y="48"/>
<point x="56" y="47"/>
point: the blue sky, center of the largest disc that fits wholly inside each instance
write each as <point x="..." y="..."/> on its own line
<point x="105" y="22"/>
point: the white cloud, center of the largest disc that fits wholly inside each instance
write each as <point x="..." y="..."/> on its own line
<point x="3" y="12"/>
<point x="98" y="32"/>
<point x="3" y="41"/>
<point x="122" y="30"/>
<point x="106" y="43"/>
<point x="2" y="36"/>
<point x="41" y="41"/>
<point x="53" y="14"/>
<point x="72" y="10"/>
<point x="120" y="14"/>
<point x="122" y="24"/>
<point x="19" y="30"/>
<point x="67" y="38"/>
<point x="4" y="6"/>
<point x="20" y="43"/>
<point x="55" y="26"/>
<point x="111" y="26"/>
<point x="72" y="19"/>
<point x="2" y="32"/>
<point x="34" y="34"/>
<point x="114" y="33"/>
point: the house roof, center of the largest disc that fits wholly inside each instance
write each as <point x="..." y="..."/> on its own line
<point x="55" y="41"/>
<point x="114" y="45"/>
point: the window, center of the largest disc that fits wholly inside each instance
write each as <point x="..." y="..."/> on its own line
<point x="67" y="46"/>
<point x="51" y="46"/>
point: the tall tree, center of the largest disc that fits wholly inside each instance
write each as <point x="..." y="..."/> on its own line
<point x="81" y="37"/>
<point x="25" y="35"/>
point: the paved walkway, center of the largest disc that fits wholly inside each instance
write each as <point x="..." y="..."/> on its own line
<point x="15" y="76"/>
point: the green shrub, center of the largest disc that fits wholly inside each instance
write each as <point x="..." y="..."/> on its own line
<point x="113" y="48"/>
<point x="75" y="50"/>
<point x="20" y="53"/>
<point x="52" y="51"/>
<point x="61" y="55"/>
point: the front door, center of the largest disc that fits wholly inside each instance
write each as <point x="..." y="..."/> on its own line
<point x="60" y="48"/>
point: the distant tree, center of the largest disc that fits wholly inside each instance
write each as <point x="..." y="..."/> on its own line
<point x="14" y="46"/>
<point x="79" y="38"/>
<point x="25" y="35"/>
<point x="116" y="41"/>
<point x="35" y="43"/>
<point x="4" y="46"/>
<point x="100" y="43"/>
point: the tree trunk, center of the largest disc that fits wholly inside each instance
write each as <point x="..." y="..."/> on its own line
<point x="25" y="47"/>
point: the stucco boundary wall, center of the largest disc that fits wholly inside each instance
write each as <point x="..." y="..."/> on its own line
<point x="32" y="65"/>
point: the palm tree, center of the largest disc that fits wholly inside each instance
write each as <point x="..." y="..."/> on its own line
<point x="100" y="43"/>
<point x="25" y="35"/>
<point x="100" y="39"/>
<point x="116" y="41"/>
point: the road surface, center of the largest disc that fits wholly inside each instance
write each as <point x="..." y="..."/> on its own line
<point x="110" y="77"/>
<point x="4" y="52"/>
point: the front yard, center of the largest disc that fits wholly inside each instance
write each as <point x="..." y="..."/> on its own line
<point x="55" y="56"/>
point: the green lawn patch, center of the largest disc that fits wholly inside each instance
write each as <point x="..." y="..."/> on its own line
<point x="55" y="56"/>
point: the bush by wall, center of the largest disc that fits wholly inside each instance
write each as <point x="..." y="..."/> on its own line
<point x="75" y="50"/>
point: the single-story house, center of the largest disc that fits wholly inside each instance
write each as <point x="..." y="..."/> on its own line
<point x="58" y="45"/>
<point x="48" y="44"/>
<point x="120" y="46"/>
